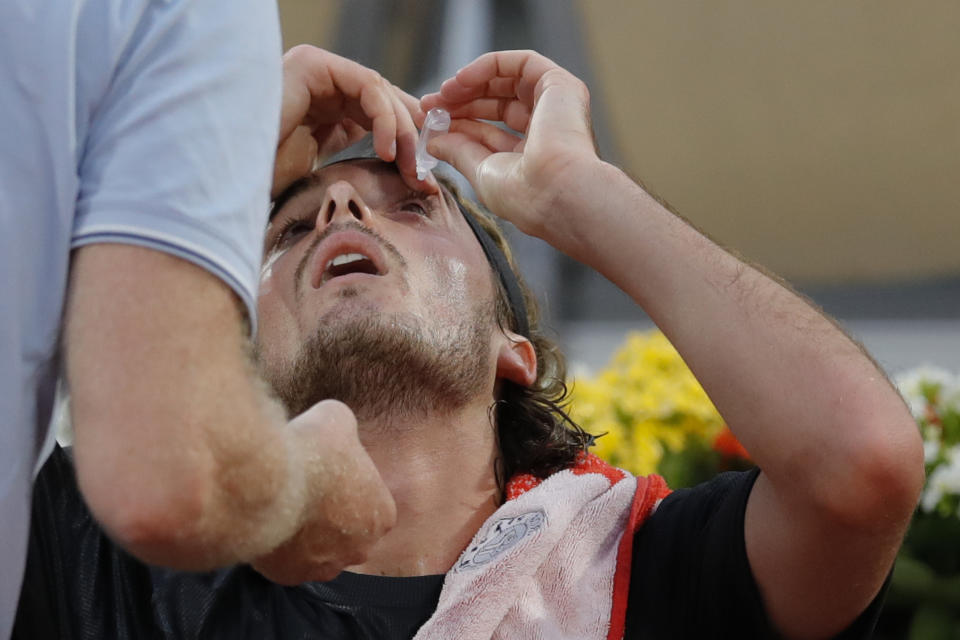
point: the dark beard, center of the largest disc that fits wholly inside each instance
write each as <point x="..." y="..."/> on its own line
<point x="384" y="365"/>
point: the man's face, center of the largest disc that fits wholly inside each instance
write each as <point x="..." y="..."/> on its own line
<point x="373" y="294"/>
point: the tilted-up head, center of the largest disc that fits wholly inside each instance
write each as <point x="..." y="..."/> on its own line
<point x="384" y="298"/>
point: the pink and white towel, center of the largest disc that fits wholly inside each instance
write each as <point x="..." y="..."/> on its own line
<point x="553" y="562"/>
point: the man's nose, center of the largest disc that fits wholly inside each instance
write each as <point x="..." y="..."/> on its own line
<point x="342" y="202"/>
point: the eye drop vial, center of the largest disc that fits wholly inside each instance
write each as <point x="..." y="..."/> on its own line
<point x="436" y="123"/>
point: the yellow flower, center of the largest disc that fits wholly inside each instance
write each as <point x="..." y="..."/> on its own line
<point x="645" y="458"/>
<point x="614" y="445"/>
<point x="647" y="401"/>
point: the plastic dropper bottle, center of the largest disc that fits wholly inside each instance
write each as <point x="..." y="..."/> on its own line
<point x="436" y="123"/>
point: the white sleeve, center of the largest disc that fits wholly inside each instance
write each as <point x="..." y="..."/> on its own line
<point x="179" y="150"/>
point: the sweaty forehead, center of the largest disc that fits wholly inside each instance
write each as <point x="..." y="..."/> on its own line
<point x="320" y="178"/>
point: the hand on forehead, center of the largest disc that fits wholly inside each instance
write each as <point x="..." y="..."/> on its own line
<point x="330" y="102"/>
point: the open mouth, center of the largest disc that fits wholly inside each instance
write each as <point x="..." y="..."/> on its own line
<point x="346" y="253"/>
<point x="347" y="263"/>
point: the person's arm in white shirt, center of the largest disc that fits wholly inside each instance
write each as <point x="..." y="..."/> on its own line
<point x="181" y="453"/>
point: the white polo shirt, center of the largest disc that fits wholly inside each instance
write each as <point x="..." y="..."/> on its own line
<point x="148" y="122"/>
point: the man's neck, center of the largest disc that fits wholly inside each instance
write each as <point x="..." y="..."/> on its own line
<point x="440" y="470"/>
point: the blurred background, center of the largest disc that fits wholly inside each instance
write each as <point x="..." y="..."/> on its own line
<point x="820" y="139"/>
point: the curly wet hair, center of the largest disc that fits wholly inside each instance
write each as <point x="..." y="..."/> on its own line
<point x="534" y="432"/>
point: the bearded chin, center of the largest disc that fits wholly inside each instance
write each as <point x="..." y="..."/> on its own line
<point x="387" y="365"/>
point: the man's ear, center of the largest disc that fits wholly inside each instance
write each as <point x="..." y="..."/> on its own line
<point x="517" y="360"/>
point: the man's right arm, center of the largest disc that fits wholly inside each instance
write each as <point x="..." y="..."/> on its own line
<point x="842" y="459"/>
<point x="181" y="453"/>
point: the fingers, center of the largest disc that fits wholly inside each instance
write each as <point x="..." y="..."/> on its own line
<point x="364" y="96"/>
<point x="295" y="562"/>
<point x="295" y="158"/>
<point x="411" y="104"/>
<point x="347" y="507"/>
<point x="296" y="96"/>
<point x="563" y="111"/>
<point x="489" y="135"/>
<point x="499" y="74"/>
<point x="326" y="413"/>
<point x="407" y="146"/>
<point x="406" y="158"/>
<point x="324" y="91"/>
<point x="470" y="143"/>
<point x="288" y="567"/>
<point x="490" y="75"/>
<point x="511" y="112"/>
<point x="452" y="90"/>
<point x="507" y="86"/>
<point x="459" y="150"/>
<point x="467" y="155"/>
<point x="335" y="138"/>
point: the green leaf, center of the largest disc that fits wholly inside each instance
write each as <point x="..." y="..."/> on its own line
<point x="936" y="541"/>
<point x="951" y="427"/>
<point x="911" y="575"/>
<point x="932" y="623"/>
<point x="930" y="391"/>
<point x="696" y="463"/>
<point x="916" y="584"/>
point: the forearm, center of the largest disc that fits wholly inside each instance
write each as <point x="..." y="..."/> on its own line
<point x="180" y="452"/>
<point x="841" y="457"/>
<point x="813" y="410"/>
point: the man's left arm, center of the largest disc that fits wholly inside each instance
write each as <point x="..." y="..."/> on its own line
<point x="841" y="457"/>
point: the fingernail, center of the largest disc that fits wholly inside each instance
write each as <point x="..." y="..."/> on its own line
<point x="393" y="149"/>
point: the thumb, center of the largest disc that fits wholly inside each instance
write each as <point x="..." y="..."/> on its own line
<point x="296" y="102"/>
<point x="499" y="185"/>
<point x="562" y="113"/>
<point x="488" y="172"/>
<point x="326" y="415"/>
<point x="461" y="151"/>
<point x="294" y="159"/>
